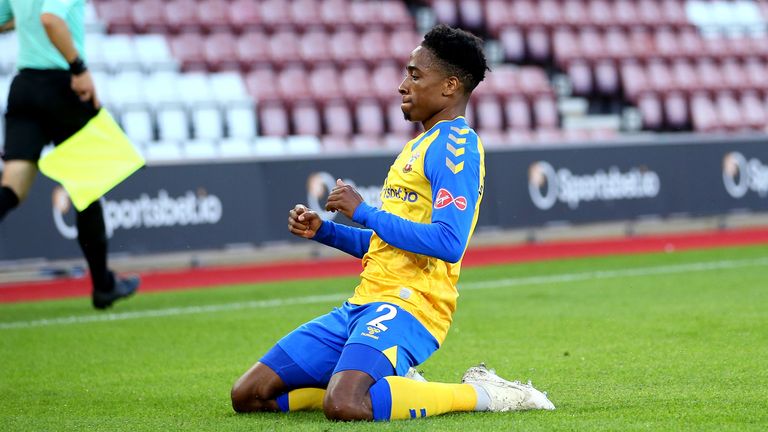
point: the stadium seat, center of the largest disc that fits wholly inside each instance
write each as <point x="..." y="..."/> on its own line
<point x="200" y="149"/>
<point x="148" y="16"/>
<point x="757" y="73"/>
<point x="369" y="117"/>
<point x="172" y="124"/>
<point x="446" y="12"/>
<point x="729" y="111"/>
<point x="512" y="44"/>
<point x="240" y="122"/>
<point x="471" y="15"/>
<point x="601" y="13"/>
<point x="580" y="74"/>
<point x="195" y="89"/>
<point x="633" y="79"/>
<point x="659" y="76"/>
<point x="690" y="43"/>
<point x="262" y="84"/>
<point x="355" y="83"/>
<point x="137" y="124"/>
<point x="375" y="47"/>
<point x="565" y="46"/>
<point x="676" y="111"/>
<point x="396" y="123"/>
<point x="269" y="146"/>
<point x="305" y="117"/>
<point x="575" y="13"/>
<point x="504" y="80"/>
<point x="709" y="74"/>
<point x="524" y="13"/>
<point x="519" y="138"/>
<point x="315" y="47"/>
<point x="213" y="15"/>
<point x="162" y="151"/>
<point x="401" y="44"/>
<point x="337" y="118"/>
<point x="119" y="53"/>
<point x="366" y="142"/>
<point x="220" y="51"/>
<point x="640" y="42"/>
<point x="161" y="88"/>
<point x="122" y="90"/>
<point x="703" y="114"/>
<point x="684" y="75"/>
<point x="245" y="15"/>
<point x="550" y="13"/>
<point x="345" y="46"/>
<point x="364" y="15"/>
<point x="273" y="119"/>
<point x="650" y="111"/>
<point x="304" y="13"/>
<point x="188" y="49"/>
<point x="207" y="123"/>
<point x="734" y="75"/>
<point x="181" y="16"/>
<point x="517" y="113"/>
<point x="754" y="111"/>
<point x="253" y="50"/>
<point x="117" y="15"/>
<point x="606" y="78"/>
<point x="616" y="43"/>
<point x="335" y="14"/>
<point x="394" y="14"/>
<point x="153" y="52"/>
<point x="284" y="48"/>
<point x="396" y="141"/>
<point x="293" y="83"/>
<point x="335" y="144"/>
<point x="533" y="81"/>
<point x="324" y="83"/>
<point x="228" y="88"/>
<point x="545" y="112"/>
<point x="303" y="145"/>
<point x="674" y="13"/>
<point x="489" y="113"/>
<point x="497" y="16"/>
<point x="236" y="148"/>
<point x="649" y="13"/>
<point x="276" y="15"/>
<point x="624" y="13"/>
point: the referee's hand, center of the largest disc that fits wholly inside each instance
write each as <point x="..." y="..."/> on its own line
<point x="303" y="222"/>
<point x="83" y="86"/>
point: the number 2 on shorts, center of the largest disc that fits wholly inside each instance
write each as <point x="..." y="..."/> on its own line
<point x="377" y="322"/>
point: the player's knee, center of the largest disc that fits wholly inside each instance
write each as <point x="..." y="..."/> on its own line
<point x="240" y="398"/>
<point x="341" y="406"/>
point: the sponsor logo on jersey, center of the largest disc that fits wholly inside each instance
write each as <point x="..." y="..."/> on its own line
<point x="399" y="193"/>
<point x="409" y="166"/>
<point x="445" y="198"/>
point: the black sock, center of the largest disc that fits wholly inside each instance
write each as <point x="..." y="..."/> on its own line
<point x="8" y="200"/>
<point x="92" y="236"/>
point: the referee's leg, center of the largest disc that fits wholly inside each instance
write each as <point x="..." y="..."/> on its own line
<point x="18" y="176"/>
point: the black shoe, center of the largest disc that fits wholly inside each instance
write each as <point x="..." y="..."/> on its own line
<point x="124" y="287"/>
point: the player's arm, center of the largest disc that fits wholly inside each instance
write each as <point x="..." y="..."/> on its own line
<point x="446" y="236"/>
<point x="308" y="224"/>
<point x="7" y="22"/>
<point x="52" y="18"/>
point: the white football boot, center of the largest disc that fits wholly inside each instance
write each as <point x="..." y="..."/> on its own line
<point x="506" y="395"/>
<point x="414" y="375"/>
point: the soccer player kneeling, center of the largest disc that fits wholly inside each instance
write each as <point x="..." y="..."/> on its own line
<point x="355" y="363"/>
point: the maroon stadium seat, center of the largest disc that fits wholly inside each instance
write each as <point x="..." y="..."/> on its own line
<point x="497" y="17"/>
<point x="117" y="15"/>
<point x="517" y="113"/>
<point x="624" y="13"/>
<point x="335" y="144"/>
<point x="641" y="42"/>
<point x="315" y="48"/>
<point x="591" y="44"/>
<point x="690" y="43"/>
<point x="284" y="48"/>
<point x="676" y="110"/>
<point x="394" y="14"/>
<point x="489" y="113"/>
<point x="504" y="80"/>
<point x="684" y="75"/>
<point x="649" y="13"/>
<point x="305" y="117"/>
<point x="220" y="52"/>
<point x="575" y="13"/>
<point x="601" y="13"/>
<point x="446" y="12"/>
<point x="533" y="81"/>
<point x="650" y="111"/>
<point x="666" y="43"/>
<point x="245" y="15"/>
<point x="335" y="13"/>
<point x="262" y="84"/>
<point x="402" y="43"/>
<point x="273" y="119"/>
<point x="659" y="76"/>
<point x="324" y="83"/>
<point x="565" y="45"/>
<point x="729" y="111"/>
<point x="606" y="78"/>
<point x="735" y="76"/>
<point x="709" y="75"/>
<point x="525" y="13"/>
<point x="754" y="111"/>
<point x="471" y="14"/>
<point x="512" y="44"/>
<point x="366" y="142"/>
<point x="276" y="15"/>
<point x="538" y="44"/>
<point x="548" y="136"/>
<point x="294" y="83"/>
<point x="550" y="13"/>
<point x="580" y="74"/>
<point x="576" y="135"/>
<point x="674" y="13"/>
<point x="757" y="73"/>
<point x="337" y="118"/>
<point x="181" y="16"/>
<point x="616" y="43"/>
<point x="213" y="15"/>
<point x="305" y="13"/>
<point x="386" y="79"/>
<point x="395" y="121"/>
<point x="363" y="15"/>
<point x="375" y="46"/>
<point x="149" y="16"/>
<point x="188" y="49"/>
<point x="703" y="114"/>
<point x="545" y="112"/>
<point x="633" y="79"/>
<point x="369" y="117"/>
<point x="252" y="49"/>
<point x="355" y="83"/>
<point x="519" y="138"/>
<point x="345" y="46"/>
<point x="716" y="46"/>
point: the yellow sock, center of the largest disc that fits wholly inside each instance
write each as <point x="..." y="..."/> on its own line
<point x="407" y="399"/>
<point x="305" y="399"/>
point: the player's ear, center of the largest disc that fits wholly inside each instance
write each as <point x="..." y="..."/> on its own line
<point x="451" y="85"/>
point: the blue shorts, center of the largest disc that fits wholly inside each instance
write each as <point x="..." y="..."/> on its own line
<point x="380" y="339"/>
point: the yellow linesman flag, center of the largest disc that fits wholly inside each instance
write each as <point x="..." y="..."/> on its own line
<point x="92" y="161"/>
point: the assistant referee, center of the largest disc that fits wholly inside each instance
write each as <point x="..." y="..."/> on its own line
<point x="50" y="99"/>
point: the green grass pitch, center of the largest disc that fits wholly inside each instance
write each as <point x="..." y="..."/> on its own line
<point x="675" y="341"/>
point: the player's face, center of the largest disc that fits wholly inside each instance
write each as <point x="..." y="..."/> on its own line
<point x="422" y="88"/>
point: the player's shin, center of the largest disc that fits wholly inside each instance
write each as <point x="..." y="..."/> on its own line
<point x="306" y="399"/>
<point x="396" y="398"/>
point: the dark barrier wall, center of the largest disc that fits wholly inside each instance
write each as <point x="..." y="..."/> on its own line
<point x="208" y="206"/>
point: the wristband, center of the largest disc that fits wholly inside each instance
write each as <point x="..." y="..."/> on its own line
<point x="77" y="66"/>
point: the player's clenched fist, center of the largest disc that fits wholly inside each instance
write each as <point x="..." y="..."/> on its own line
<point x="343" y="198"/>
<point x="303" y="222"/>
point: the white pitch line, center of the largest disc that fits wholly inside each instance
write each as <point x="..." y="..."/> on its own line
<point x="498" y="283"/>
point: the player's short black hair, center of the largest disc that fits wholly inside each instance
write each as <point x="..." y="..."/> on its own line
<point x="459" y="52"/>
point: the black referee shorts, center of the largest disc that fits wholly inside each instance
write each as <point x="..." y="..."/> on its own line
<point x="42" y="108"/>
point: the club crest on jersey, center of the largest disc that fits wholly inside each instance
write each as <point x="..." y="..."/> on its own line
<point x="409" y="166"/>
<point x="445" y="198"/>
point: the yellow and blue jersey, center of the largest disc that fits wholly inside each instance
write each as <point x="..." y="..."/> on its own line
<point x="412" y="247"/>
